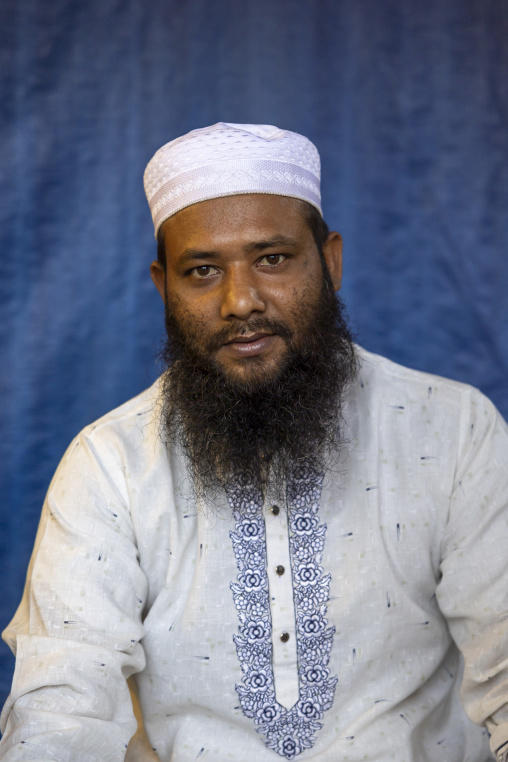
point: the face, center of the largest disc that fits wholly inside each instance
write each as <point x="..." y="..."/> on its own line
<point x="243" y="278"/>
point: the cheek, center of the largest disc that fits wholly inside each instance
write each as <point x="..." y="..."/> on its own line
<point x="190" y="312"/>
<point x="302" y="303"/>
<point x="190" y="324"/>
<point x="290" y="295"/>
<point x="198" y="330"/>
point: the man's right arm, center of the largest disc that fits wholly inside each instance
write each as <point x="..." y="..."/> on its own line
<point x="76" y="634"/>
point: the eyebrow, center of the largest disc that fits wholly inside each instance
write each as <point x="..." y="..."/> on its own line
<point x="190" y="254"/>
<point x="268" y="243"/>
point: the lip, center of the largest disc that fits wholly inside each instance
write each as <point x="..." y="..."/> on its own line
<point x="250" y="345"/>
<point x="248" y="338"/>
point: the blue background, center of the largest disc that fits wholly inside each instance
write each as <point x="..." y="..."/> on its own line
<point x="408" y="105"/>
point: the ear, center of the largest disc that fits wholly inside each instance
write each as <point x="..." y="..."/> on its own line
<point x="159" y="278"/>
<point x="332" y="251"/>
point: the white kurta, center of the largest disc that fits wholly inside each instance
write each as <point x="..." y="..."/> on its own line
<point x="372" y="578"/>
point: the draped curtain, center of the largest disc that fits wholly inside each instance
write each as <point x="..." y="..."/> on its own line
<point x="408" y="105"/>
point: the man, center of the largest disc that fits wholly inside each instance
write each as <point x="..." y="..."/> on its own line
<point x="296" y="548"/>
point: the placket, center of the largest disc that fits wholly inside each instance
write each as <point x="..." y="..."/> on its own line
<point x="282" y="607"/>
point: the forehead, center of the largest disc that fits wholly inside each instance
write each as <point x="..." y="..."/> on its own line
<point x="241" y="219"/>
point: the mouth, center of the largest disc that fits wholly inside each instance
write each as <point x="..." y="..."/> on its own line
<point x="248" y="345"/>
<point x="247" y="338"/>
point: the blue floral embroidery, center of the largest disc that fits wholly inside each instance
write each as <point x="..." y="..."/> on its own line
<point x="288" y="731"/>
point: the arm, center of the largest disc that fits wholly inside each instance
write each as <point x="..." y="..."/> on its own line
<point x="473" y="591"/>
<point x="76" y="633"/>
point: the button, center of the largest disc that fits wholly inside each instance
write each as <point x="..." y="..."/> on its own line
<point x="284" y="637"/>
<point x="275" y="510"/>
<point x="280" y="570"/>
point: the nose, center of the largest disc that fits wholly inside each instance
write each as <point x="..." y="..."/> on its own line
<point x="241" y="295"/>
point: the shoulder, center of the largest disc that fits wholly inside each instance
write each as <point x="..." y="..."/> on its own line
<point x="129" y="423"/>
<point x="112" y="465"/>
<point x="143" y="405"/>
<point x="124" y="440"/>
<point x="383" y="379"/>
<point x="422" y="405"/>
<point x="381" y="370"/>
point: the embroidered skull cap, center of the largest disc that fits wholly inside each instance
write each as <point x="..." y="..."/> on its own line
<point x="229" y="159"/>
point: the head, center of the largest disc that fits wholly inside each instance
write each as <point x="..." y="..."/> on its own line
<point x="258" y="351"/>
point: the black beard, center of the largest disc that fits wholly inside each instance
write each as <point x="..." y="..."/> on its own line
<point x="259" y="429"/>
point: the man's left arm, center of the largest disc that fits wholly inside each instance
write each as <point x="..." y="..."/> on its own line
<point x="473" y="590"/>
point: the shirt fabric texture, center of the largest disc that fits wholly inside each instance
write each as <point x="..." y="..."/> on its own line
<point x="387" y="579"/>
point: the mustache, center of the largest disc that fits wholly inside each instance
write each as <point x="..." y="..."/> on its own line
<point x="255" y="325"/>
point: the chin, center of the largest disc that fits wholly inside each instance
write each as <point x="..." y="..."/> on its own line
<point x="253" y="372"/>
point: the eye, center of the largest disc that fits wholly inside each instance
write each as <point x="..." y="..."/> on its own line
<point x="272" y="259"/>
<point x="203" y="271"/>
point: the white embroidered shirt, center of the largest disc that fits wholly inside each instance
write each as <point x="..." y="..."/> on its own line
<point x="338" y="622"/>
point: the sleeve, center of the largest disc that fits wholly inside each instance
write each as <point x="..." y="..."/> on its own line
<point x="76" y="634"/>
<point x="473" y="589"/>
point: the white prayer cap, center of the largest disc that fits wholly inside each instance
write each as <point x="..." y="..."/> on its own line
<point x="226" y="160"/>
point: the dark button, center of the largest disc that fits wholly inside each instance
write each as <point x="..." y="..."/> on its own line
<point x="280" y="570"/>
<point x="284" y="637"/>
<point x="275" y="510"/>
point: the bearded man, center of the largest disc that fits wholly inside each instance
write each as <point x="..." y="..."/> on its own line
<point x="292" y="547"/>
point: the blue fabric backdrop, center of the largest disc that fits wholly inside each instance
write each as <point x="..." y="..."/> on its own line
<point x="408" y="104"/>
